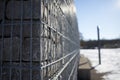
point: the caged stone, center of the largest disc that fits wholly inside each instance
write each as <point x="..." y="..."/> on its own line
<point x="14" y="49"/>
<point x="35" y="51"/>
<point x="16" y="32"/>
<point x="25" y="10"/>
<point x="15" y="72"/>
<point x="10" y="49"/>
<point x="1" y="11"/>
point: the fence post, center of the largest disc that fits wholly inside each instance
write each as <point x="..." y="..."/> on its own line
<point x="99" y="47"/>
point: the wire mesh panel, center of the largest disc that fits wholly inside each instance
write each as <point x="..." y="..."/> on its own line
<point x="39" y="40"/>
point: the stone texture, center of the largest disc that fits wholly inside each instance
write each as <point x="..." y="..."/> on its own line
<point x="15" y="72"/>
<point x="9" y="49"/>
<point x="35" y="49"/>
<point x="26" y="31"/>
<point x="26" y="49"/>
<point x="1" y="10"/>
<point x="17" y="7"/>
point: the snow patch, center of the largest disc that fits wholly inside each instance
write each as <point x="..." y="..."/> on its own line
<point x="110" y="61"/>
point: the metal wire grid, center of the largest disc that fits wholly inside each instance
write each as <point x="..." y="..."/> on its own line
<point x="39" y="40"/>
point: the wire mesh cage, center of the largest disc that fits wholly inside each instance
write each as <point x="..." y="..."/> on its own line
<point x="39" y="40"/>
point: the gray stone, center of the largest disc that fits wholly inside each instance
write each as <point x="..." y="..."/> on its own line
<point x="10" y="50"/>
<point x="17" y="8"/>
<point x="15" y="72"/>
<point x="26" y="31"/>
<point x="34" y="52"/>
<point x="1" y="10"/>
<point x="14" y="49"/>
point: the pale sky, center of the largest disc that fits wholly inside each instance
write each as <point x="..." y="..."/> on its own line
<point x="104" y="13"/>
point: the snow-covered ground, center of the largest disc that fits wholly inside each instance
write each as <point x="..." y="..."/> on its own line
<point x="110" y="62"/>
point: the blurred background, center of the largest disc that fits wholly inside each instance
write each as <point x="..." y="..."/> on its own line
<point x="102" y="13"/>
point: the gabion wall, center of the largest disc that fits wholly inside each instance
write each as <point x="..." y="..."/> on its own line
<point x="39" y="40"/>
